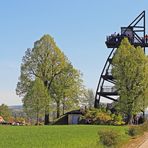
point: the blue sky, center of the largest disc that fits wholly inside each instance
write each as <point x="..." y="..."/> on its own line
<point x="79" y="28"/>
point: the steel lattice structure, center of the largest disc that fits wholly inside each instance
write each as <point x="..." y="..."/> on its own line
<point x="135" y="32"/>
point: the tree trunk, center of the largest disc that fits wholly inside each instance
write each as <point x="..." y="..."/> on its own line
<point x="130" y="119"/>
<point x="46" y="120"/>
<point x="37" y="118"/>
<point x="63" y="108"/>
<point x="58" y="109"/>
<point x="143" y="119"/>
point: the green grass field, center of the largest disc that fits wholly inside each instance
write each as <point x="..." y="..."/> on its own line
<point x="70" y="136"/>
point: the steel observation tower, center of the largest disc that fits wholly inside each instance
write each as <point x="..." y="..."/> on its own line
<point x="136" y="34"/>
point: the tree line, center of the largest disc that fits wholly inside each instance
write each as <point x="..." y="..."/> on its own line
<point x="49" y="80"/>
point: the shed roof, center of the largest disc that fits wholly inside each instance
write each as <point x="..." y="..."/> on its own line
<point x="75" y="112"/>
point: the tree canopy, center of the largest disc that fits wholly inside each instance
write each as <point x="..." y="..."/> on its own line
<point x="130" y="69"/>
<point x="48" y="63"/>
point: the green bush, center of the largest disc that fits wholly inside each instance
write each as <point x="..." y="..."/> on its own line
<point x="108" y="137"/>
<point x="97" y="116"/>
<point x="101" y="116"/>
<point x="144" y="126"/>
<point x="117" y="119"/>
<point x="135" y="131"/>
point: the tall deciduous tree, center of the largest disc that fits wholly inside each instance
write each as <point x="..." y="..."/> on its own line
<point x="45" y="61"/>
<point x="66" y="88"/>
<point x="130" y="69"/>
<point x="36" y="99"/>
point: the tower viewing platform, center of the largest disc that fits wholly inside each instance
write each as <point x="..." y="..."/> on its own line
<point x="114" y="40"/>
<point x="135" y="32"/>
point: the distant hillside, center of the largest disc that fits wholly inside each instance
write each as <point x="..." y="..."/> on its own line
<point x="17" y="111"/>
<point x="16" y="107"/>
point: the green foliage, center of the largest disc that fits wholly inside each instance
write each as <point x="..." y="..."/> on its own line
<point x="97" y="116"/>
<point x="45" y="61"/>
<point x="108" y="137"/>
<point x="101" y="116"/>
<point x="144" y="126"/>
<point x="5" y="112"/>
<point x="130" y="69"/>
<point x="89" y="94"/>
<point x="135" y="131"/>
<point x="117" y="119"/>
<point x="19" y="119"/>
<point x="66" y="88"/>
<point x="48" y="63"/>
<point x="36" y="99"/>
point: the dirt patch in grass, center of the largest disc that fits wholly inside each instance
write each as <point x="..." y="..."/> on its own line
<point x="136" y="142"/>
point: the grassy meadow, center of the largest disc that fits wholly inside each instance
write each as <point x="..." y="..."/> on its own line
<point x="70" y="136"/>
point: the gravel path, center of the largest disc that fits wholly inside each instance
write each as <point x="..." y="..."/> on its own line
<point x="145" y="144"/>
<point x="139" y="142"/>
